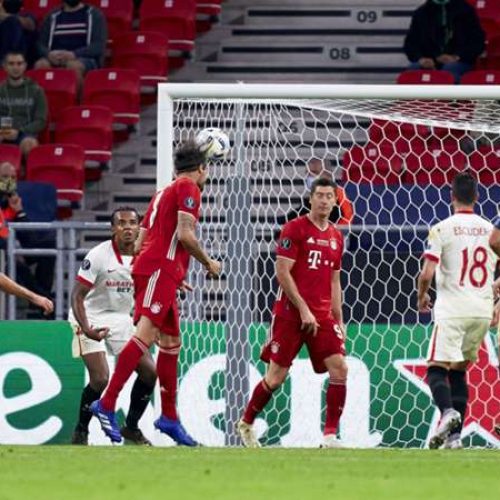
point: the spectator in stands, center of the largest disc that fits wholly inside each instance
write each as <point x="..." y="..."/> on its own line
<point x="342" y="213"/>
<point x="73" y="37"/>
<point x="11" y="205"/>
<point x="17" y="30"/>
<point x="23" y="106"/>
<point x="444" y="34"/>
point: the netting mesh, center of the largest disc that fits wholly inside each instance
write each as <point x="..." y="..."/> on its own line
<point x="394" y="159"/>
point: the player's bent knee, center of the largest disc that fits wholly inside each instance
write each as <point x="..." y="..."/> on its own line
<point x="98" y="382"/>
<point x="147" y="372"/>
<point x="275" y="376"/>
<point x="339" y="372"/>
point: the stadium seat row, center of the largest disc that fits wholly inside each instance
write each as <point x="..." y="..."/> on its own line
<point x="383" y="164"/>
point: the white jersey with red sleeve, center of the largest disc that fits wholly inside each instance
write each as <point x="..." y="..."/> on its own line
<point x="466" y="266"/>
<point x="161" y="249"/>
<point x="108" y="275"/>
<point x="316" y="254"/>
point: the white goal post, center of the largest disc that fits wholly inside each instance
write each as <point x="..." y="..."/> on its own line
<point x="393" y="149"/>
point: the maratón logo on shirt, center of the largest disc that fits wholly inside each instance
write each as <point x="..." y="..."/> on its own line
<point x="86" y="264"/>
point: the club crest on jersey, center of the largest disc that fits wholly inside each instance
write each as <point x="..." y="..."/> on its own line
<point x="275" y="347"/>
<point x="155" y="308"/>
<point x="286" y="243"/>
<point x="86" y="264"/>
<point x="333" y="244"/>
<point x="189" y="202"/>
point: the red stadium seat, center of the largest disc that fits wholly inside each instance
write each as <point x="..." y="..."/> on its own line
<point x="119" y="15"/>
<point x="437" y="166"/>
<point x="403" y="136"/>
<point x="372" y="163"/>
<point x="492" y="60"/>
<point x="145" y="52"/>
<point x="117" y="89"/>
<point x="60" y="165"/>
<point x="12" y="154"/>
<point x="425" y="77"/>
<point x="481" y="77"/>
<point x="175" y="19"/>
<point x="89" y="127"/>
<point x="210" y="7"/>
<point x="207" y="12"/>
<point x="486" y="162"/>
<point x="60" y="86"/>
<point x="40" y="8"/>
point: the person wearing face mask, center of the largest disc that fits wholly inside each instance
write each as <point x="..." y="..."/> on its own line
<point x="444" y="34"/>
<point x="73" y="37"/>
<point x="341" y="215"/>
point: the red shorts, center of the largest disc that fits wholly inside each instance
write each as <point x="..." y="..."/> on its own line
<point x="156" y="298"/>
<point x="286" y="339"/>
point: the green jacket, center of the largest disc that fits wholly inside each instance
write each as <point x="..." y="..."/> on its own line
<point x="26" y="104"/>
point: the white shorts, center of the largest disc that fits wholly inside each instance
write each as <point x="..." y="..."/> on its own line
<point x="119" y="334"/>
<point x="457" y="339"/>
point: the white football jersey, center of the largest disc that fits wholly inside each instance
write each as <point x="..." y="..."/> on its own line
<point x="465" y="273"/>
<point x="108" y="273"/>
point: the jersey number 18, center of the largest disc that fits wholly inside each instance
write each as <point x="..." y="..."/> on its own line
<point x="479" y="259"/>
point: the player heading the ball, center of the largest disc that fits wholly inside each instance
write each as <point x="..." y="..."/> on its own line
<point x="167" y="241"/>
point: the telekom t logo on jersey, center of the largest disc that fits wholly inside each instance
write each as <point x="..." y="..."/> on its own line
<point x="314" y="259"/>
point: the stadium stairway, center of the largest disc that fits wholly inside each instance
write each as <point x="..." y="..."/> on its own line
<point x="303" y="41"/>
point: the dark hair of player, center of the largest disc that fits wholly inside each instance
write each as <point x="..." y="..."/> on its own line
<point x="464" y="188"/>
<point x="188" y="157"/>
<point x="123" y="209"/>
<point x="322" y="182"/>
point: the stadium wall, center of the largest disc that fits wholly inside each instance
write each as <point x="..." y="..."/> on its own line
<point x="388" y="401"/>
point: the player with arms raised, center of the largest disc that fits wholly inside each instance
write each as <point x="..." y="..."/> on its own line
<point x="459" y="254"/>
<point x="168" y="240"/>
<point x="308" y="310"/>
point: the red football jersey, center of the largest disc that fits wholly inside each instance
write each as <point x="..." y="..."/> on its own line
<point x="316" y="254"/>
<point x="161" y="248"/>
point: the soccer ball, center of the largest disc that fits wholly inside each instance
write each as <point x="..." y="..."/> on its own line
<point x="214" y="143"/>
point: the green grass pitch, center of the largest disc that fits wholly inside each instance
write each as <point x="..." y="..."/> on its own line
<point x="108" y="473"/>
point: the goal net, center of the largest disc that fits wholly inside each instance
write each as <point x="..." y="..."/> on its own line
<point x="394" y="151"/>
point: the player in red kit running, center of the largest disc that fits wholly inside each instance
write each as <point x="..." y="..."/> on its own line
<point x="168" y="240"/>
<point x="308" y="310"/>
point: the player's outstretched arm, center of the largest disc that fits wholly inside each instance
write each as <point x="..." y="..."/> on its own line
<point x="187" y="237"/>
<point x="495" y="241"/>
<point x="287" y="283"/>
<point x="78" y="295"/>
<point x="424" y="283"/>
<point x="11" y="287"/>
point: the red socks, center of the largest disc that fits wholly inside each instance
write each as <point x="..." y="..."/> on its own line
<point x="127" y="362"/>
<point x="335" y="401"/>
<point x="260" y="397"/>
<point x="166" y="368"/>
